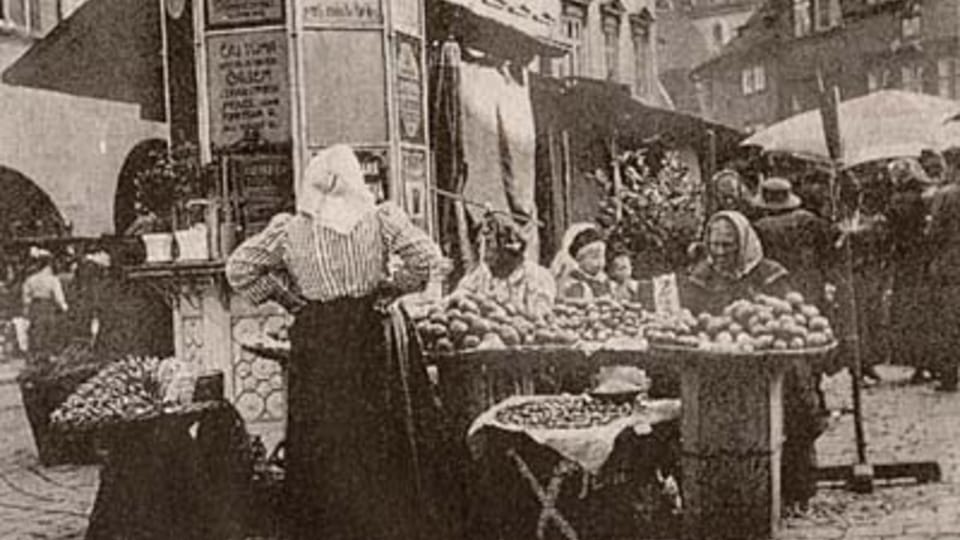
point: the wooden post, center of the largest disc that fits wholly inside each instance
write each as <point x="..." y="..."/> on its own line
<point x="732" y="433"/>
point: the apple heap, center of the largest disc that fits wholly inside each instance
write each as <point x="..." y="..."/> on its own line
<point x="465" y="321"/>
<point x="470" y="321"/>
<point x="602" y="319"/>
<point x="765" y="323"/>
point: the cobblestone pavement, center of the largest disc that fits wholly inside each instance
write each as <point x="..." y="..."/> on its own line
<point x="36" y="502"/>
<point x="903" y="423"/>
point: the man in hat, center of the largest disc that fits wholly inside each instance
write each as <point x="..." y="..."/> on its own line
<point x="795" y="237"/>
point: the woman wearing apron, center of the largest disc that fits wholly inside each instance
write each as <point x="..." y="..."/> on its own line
<point x="350" y="473"/>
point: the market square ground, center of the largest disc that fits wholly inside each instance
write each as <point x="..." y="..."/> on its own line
<point x="907" y="423"/>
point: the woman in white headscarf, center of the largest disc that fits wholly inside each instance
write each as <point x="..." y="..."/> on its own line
<point x="563" y="262"/>
<point x="350" y="451"/>
<point x="736" y="268"/>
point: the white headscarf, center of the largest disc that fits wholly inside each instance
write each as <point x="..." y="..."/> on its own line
<point x="750" y="248"/>
<point x="563" y="262"/>
<point x="333" y="191"/>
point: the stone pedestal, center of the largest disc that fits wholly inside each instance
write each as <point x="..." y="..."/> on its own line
<point x="732" y="433"/>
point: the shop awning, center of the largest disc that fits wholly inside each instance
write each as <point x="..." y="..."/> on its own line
<point x="502" y="28"/>
<point x="107" y="49"/>
<point x="599" y="112"/>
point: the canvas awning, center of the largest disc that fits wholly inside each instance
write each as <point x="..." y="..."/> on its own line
<point x="106" y="49"/>
<point x="502" y="28"/>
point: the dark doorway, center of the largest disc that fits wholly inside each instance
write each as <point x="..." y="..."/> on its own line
<point x="25" y="209"/>
<point x="143" y="156"/>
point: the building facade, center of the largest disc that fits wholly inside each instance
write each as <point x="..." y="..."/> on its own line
<point x="776" y="66"/>
<point x="613" y="40"/>
<point x="72" y="148"/>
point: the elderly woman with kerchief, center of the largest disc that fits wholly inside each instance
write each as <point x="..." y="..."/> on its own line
<point x="352" y="462"/>
<point x="734" y="269"/>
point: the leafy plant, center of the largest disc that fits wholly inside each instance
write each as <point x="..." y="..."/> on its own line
<point x="656" y="213"/>
<point x="176" y="177"/>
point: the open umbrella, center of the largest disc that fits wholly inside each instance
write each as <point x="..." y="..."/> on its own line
<point x="881" y="125"/>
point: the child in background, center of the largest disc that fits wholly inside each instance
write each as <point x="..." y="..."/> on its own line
<point x="587" y="281"/>
<point x="620" y="270"/>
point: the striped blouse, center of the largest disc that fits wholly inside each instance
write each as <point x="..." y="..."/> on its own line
<point x="293" y="261"/>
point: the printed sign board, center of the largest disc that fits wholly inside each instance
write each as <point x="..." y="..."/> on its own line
<point x="249" y="88"/>
<point x="243" y="12"/>
<point x="342" y="13"/>
<point x="409" y="89"/>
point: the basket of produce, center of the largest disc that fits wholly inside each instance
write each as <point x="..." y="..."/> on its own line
<point x="131" y="391"/>
<point x="764" y="325"/>
<point x="44" y="386"/>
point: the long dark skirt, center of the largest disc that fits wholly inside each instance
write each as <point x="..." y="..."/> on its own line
<point x="357" y="424"/>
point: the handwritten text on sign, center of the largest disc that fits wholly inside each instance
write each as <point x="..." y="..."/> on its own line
<point x="244" y="11"/>
<point x="342" y="12"/>
<point x="249" y="88"/>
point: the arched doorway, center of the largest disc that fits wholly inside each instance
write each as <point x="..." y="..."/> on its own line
<point x="25" y="209"/>
<point x="142" y="156"/>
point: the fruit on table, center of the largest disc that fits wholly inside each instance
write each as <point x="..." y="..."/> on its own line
<point x="564" y="412"/>
<point x="123" y="390"/>
<point x="761" y="324"/>
<point x="467" y="321"/>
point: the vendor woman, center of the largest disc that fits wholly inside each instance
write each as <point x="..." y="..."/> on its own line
<point x="350" y="472"/>
<point x="736" y="268"/>
<point x="586" y="280"/>
<point x="505" y="274"/>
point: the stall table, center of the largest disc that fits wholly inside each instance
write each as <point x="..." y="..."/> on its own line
<point x="732" y="419"/>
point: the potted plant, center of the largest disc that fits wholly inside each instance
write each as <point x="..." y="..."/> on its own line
<point x="167" y="194"/>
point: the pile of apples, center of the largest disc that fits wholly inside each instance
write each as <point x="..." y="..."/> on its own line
<point x="601" y="320"/>
<point x="470" y="321"/>
<point x="765" y="323"/>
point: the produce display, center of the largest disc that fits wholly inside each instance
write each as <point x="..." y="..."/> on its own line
<point x="466" y="321"/>
<point x="764" y="323"/>
<point x="123" y="391"/>
<point x="565" y="412"/>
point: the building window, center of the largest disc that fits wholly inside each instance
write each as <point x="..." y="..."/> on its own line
<point x="827" y="14"/>
<point x="611" y="46"/>
<point x="945" y="68"/>
<point x="641" y="58"/>
<point x="753" y="79"/>
<point x="718" y="34"/>
<point x="873" y="81"/>
<point x="795" y="106"/>
<point x="573" y="21"/>
<point x="23" y="15"/>
<point x="802" y="24"/>
<point x="912" y="78"/>
<point x="910" y="24"/>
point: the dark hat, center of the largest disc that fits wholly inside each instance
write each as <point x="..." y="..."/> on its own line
<point x="776" y="194"/>
<point x="582" y="239"/>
